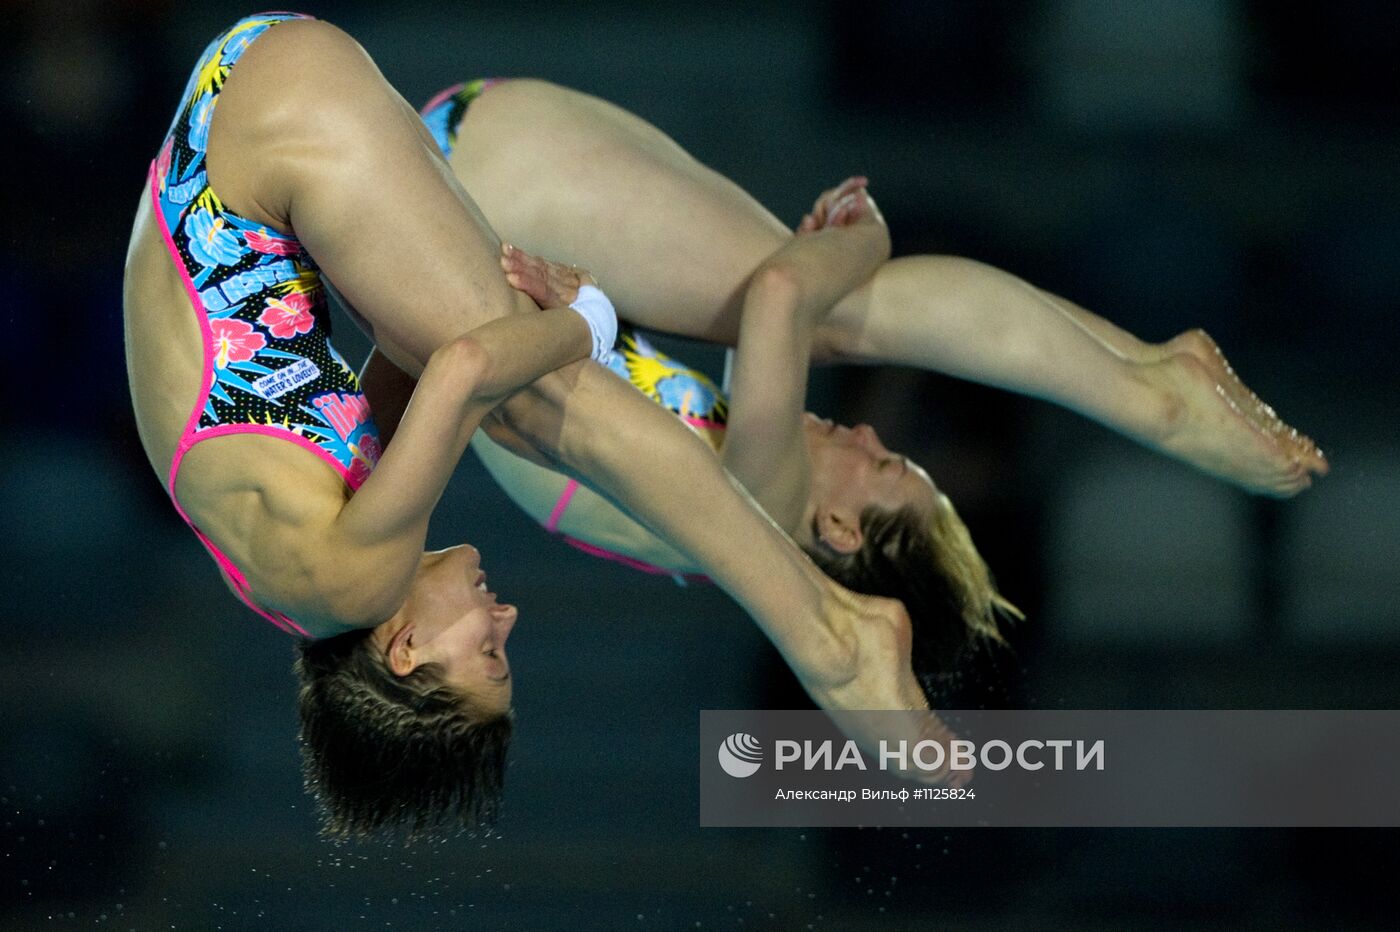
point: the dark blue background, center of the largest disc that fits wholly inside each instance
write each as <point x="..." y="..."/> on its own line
<point x="1205" y="162"/>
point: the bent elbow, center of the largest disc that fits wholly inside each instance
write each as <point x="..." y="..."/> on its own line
<point x="461" y="367"/>
<point x="777" y="284"/>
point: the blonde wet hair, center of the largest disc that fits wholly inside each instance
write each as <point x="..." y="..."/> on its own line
<point x="929" y="563"/>
<point x="983" y="607"/>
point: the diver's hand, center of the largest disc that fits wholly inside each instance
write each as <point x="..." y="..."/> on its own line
<point x="553" y="284"/>
<point x="871" y="670"/>
<point x="847" y="204"/>
<point x="549" y="284"/>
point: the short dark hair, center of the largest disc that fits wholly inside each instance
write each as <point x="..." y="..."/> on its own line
<point x="932" y="566"/>
<point x="385" y="754"/>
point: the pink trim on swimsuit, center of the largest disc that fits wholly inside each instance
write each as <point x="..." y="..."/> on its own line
<point x="269" y="367"/>
<point x="552" y="526"/>
<point x="442" y="96"/>
<point x="702" y="423"/>
<point x="188" y="438"/>
<point x="561" y="506"/>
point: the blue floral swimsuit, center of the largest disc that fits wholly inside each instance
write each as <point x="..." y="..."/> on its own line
<point x="269" y="365"/>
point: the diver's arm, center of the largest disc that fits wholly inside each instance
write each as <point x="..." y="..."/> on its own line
<point x="534" y="488"/>
<point x="763" y="444"/>
<point x="787" y="297"/>
<point x="464" y="379"/>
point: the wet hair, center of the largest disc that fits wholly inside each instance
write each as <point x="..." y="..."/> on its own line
<point x="387" y="754"/>
<point x="932" y="566"/>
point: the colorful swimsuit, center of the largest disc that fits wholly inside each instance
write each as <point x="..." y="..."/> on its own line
<point x="685" y="392"/>
<point x="269" y="367"/>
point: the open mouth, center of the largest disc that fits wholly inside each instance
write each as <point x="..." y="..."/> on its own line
<point x="481" y="582"/>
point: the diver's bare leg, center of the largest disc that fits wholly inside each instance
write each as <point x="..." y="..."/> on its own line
<point x="675" y="228"/>
<point x="682" y="240"/>
<point x="1181" y="397"/>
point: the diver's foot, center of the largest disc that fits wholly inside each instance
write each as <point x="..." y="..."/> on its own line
<point x="1217" y="425"/>
<point x="1198" y="344"/>
<point x="871" y="671"/>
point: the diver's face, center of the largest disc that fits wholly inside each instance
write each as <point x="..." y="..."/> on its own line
<point x="851" y="469"/>
<point x="457" y="623"/>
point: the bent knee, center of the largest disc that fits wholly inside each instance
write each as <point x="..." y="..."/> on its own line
<point x="302" y="46"/>
<point x="308" y="74"/>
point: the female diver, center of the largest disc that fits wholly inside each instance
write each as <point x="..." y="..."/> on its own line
<point x="291" y="164"/>
<point x="680" y="258"/>
<point x="871" y="518"/>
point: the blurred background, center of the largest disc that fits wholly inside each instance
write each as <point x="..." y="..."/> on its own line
<point x="1230" y="164"/>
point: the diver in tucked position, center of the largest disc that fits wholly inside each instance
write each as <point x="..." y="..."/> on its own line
<point x="292" y="164"/>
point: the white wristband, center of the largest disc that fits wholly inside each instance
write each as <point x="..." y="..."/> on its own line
<point x="595" y="308"/>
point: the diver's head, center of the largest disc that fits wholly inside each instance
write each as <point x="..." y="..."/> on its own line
<point x="876" y="523"/>
<point x="852" y="472"/>
<point x="454" y="624"/>
<point x="406" y="725"/>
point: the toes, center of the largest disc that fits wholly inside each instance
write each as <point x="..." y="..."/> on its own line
<point x="1288" y="487"/>
<point x="1307" y="451"/>
<point x="1297" y="480"/>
